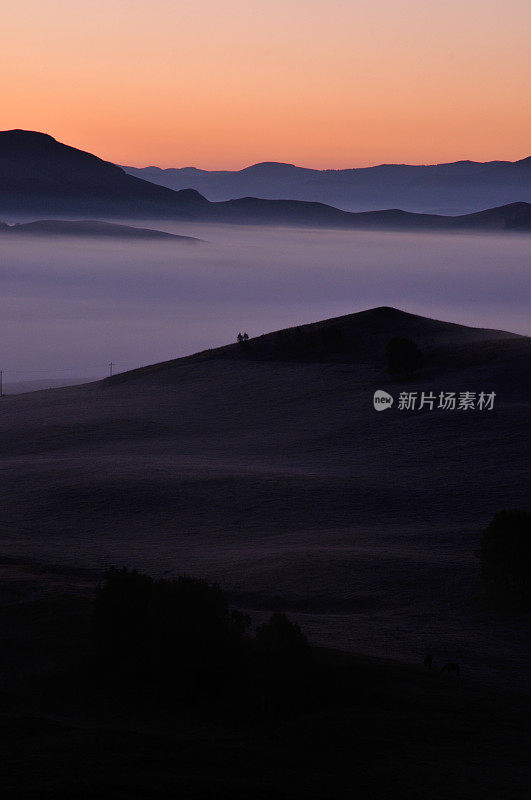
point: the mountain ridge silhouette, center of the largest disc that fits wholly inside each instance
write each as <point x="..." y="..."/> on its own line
<point x="449" y="188"/>
<point x="40" y="175"/>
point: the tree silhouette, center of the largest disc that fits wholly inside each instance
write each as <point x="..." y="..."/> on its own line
<point x="282" y="639"/>
<point x="505" y="556"/>
<point x="165" y="630"/>
<point x="403" y="356"/>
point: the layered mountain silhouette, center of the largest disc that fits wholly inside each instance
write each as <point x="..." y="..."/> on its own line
<point x="456" y="188"/>
<point x="39" y="174"/>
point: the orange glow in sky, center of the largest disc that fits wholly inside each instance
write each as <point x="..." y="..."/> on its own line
<point x="224" y="84"/>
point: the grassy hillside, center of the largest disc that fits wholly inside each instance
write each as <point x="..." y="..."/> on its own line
<point x="265" y="466"/>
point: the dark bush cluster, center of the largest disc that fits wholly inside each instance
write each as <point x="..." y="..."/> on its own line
<point x="166" y="630"/>
<point x="403" y="356"/>
<point x="505" y="555"/>
<point x="180" y="637"/>
<point x="280" y="639"/>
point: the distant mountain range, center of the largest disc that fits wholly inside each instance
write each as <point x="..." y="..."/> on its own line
<point x="457" y="188"/>
<point x="40" y="175"/>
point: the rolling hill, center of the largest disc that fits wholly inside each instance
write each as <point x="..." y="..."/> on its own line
<point x="266" y="468"/>
<point x="250" y="210"/>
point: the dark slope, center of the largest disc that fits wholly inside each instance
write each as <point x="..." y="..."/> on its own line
<point x="360" y="339"/>
<point x="39" y="174"/>
<point x="515" y="216"/>
<point x="455" y="188"/>
<point x="52" y="227"/>
<point x="250" y="210"/>
<point x="276" y="477"/>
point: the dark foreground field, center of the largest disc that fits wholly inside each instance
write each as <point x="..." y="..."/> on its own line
<point x="399" y="731"/>
<point x="265" y="467"/>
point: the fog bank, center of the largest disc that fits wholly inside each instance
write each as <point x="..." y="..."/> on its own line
<point x="70" y="306"/>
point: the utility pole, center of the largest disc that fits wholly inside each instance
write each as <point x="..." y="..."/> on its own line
<point x="110" y="369"/>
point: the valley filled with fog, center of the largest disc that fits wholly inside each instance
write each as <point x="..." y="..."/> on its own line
<point x="69" y="305"/>
<point x="263" y="473"/>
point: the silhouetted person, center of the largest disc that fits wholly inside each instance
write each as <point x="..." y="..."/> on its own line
<point x="428" y="661"/>
<point x="451" y="667"/>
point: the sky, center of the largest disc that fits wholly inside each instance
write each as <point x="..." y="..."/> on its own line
<point x="319" y="83"/>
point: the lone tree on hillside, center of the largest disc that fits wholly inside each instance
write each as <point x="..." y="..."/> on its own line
<point x="403" y="356"/>
<point x="505" y="556"/>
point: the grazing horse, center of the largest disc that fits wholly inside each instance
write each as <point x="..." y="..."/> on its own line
<point x="451" y="667"/>
<point x="428" y="660"/>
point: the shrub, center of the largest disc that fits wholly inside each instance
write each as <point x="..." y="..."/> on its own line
<point x="282" y="639"/>
<point x="403" y="356"/>
<point x="505" y="555"/>
<point x="165" y="630"/>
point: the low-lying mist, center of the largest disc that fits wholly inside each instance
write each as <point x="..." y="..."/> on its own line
<point x="70" y="305"/>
